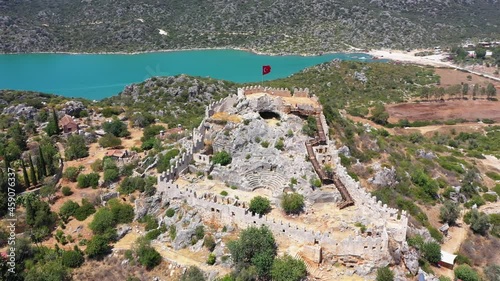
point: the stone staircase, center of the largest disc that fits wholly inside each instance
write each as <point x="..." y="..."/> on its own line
<point x="320" y="139"/>
<point x="272" y="180"/>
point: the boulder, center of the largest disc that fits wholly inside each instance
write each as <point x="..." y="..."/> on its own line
<point x="148" y="205"/>
<point x="72" y="108"/>
<point x="345" y="151"/>
<point x="122" y="230"/>
<point x="20" y="110"/>
<point x="384" y="177"/>
<point x="410" y="258"/>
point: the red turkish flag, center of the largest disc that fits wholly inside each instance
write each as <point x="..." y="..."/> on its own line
<point x="266" y="69"/>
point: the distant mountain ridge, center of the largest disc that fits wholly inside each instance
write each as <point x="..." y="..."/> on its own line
<point x="279" y="26"/>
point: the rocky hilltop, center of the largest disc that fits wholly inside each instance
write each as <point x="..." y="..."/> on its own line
<point x="282" y="26"/>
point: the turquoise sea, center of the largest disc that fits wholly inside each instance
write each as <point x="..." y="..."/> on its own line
<point x="97" y="76"/>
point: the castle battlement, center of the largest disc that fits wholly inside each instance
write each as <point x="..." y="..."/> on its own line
<point x="278" y="92"/>
<point x="233" y="210"/>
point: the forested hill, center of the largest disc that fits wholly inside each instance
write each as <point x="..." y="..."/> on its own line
<point x="281" y="26"/>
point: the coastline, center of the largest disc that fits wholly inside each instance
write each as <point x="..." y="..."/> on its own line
<point x="249" y="50"/>
<point x="433" y="60"/>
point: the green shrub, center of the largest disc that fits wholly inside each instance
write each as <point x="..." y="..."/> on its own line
<point x="122" y="212"/>
<point x="109" y="140"/>
<point x="479" y="222"/>
<point x="315" y="182"/>
<point x="461" y="259"/>
<point x="170" y="212"/>
<point x="432" y="252"/>
<point x="223" y="158"/>
<point x="416" y="241"/>
<point x="211" y="259"/>
<point x="111" y="175"/>
<point x="287" y="268"/>
<point x="466" y="273"/>
<point x="88" y="180"/>
<point x="131" y="184"/>
<point x="68" y="209"/>
<point x="153" y="234"/>
<point x="193" y="273"/>
<point x="436" y="234"/>
<point x="172" y="232"/>
<point x="116" y="128"/>
<point x="265" y="144"/>
<point x="103" y="221"/>
<point x="292" y="203"/>
<point x="490" y="197"/>
<point x="199" y="232"/>
<point x="209" y="242"/>
<point x="66" y="191"/>
<point x="223" y="193"/>
<point x="280" y="145"/>
<point x="150" y="221"/>
<point x="260" y="205"/>
<point x="97" y="247"/>
<point x="71" y="174"/>
<point x="475" y="200"/>
<point x="384" y="274"/>
<point x="85" y="210"/>
<point x="309" y="127"/>
<point x="493" y="175"/>
<point x="148" y="256"/>
<point x="497" y="189"/>
<point x="449" y="212"/>
<point x="72" y="259"/>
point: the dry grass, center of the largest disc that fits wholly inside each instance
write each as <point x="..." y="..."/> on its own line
<point x="481" y="250"/>
<point x="224" y="116"/>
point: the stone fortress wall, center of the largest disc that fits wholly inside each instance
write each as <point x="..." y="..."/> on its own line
<point x="372" y="248"/>
<point x="231" y="210"/>
<point x="279" y="92"/>
<point x="182" y="161"/>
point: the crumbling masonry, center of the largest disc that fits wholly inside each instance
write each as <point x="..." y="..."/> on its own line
<point x="372" y="248"/>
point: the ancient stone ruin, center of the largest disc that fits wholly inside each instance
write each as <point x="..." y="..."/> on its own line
<point x="254" y="167"/>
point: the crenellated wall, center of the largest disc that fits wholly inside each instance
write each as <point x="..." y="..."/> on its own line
<point x="228" y="209"/>
<point x="370" y="205"/>
<point x="232" y="210"/>
<point x="279" y="92"/>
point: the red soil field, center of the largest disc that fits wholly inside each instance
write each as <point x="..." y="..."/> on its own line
<point x="467" y="109"/>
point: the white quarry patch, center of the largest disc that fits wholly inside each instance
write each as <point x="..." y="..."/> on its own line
<point x="139" y="19"/>
<point x="162" y="32"/>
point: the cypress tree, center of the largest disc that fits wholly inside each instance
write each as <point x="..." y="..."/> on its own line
<point x="25" y="175"/>
<point x="56" y="120"/>
<point x="39" y="170"/>
<point x="32" y="171"/>
<point x="43" y="166"/>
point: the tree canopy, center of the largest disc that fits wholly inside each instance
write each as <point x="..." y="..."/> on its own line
<point x="260" y="205"/>
<point x="256" y="247"/>
<point x="287" y="268"/>
<point x="292" y="203"/>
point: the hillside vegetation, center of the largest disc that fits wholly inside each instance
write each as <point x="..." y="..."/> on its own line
<point x="274" y="26"/>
